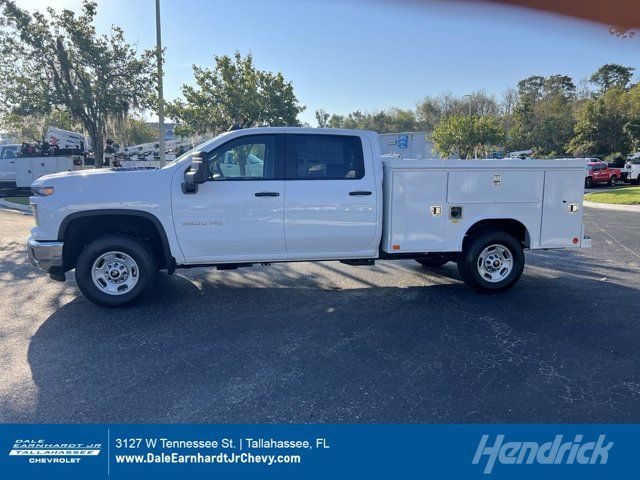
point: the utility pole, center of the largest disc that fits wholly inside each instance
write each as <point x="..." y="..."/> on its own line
<point x="468" y="97"/>
<point x="160" y="96"/>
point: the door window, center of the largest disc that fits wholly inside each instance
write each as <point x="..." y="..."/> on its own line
<point x="9" y="152"/>
<point x="246" y="158"/>
<point x="326" y="157"/>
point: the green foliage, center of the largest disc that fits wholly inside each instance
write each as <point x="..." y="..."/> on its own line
<point x="542" y="117"/>
<point x="545" y="114"/>
<point x="620" y="196"/>
<point x="134" y="131"/>
<point x="466" y="135"/>
<point x="58" y="61"/>
<point x="432" y="109"/>
<point x="30" y="128"/>
<point x="608" y="123"/>
<point x="612" y="75"/>
<point x="393" y="120"/>
<point x="234" y="92"/>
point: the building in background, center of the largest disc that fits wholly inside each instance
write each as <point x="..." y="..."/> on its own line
<point x="407" y="145"/>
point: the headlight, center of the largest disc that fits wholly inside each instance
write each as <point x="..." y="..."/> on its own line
<point x="42" y="191"/>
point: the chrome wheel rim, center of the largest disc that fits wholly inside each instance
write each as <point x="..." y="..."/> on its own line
<point x="495" y="263"/>
<point x="115" y="273"/>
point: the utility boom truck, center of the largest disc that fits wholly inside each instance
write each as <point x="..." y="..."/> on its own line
<point x="301" y="194"/>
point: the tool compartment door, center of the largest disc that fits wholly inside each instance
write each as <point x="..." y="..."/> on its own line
<point x="418" y="211"/>
<point x="560" y="225"/>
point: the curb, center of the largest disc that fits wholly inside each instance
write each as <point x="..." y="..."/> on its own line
<point x="15" y="207"/>
<point x="612" y="206"/>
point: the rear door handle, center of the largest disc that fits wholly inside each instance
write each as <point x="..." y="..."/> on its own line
<point x="267" y="194"/>
<point x="359" y="193"/>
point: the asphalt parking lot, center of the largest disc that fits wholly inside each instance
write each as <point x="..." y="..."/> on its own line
<point x="331" y="343"/>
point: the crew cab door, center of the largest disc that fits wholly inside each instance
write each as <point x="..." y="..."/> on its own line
<point x="238" y="214"/>
<point x="330" y="198"/>
<point x="600" y="173"/>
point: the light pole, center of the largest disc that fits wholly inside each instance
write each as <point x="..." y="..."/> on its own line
<point x="468" y="97"/>
<point x="160" y="96"/>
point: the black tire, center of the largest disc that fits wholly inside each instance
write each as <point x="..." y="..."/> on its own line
<point x="141" y="254"/>
<point x="433" y="261"/>
<point x="588" y="182"/>
<point x="612" y="181"/>
<point x="470" y="256"/>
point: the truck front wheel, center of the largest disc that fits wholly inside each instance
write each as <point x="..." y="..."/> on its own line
<point x="115" y="270"/>
<point x="588" y="182"/>
<point x="492" y="261"/>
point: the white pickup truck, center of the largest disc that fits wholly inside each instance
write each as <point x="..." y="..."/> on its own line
<point x="632" y="168"/>
<point x="319" y="194"/>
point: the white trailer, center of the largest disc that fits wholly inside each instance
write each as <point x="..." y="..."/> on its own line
<point x="406" y="145"/>
<point x="66" y="139"/>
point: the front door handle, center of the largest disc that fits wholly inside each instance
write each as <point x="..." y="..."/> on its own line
<point x="267" y="194"/>
<point x="359" y="193"/>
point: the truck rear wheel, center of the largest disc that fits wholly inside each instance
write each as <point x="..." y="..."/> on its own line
<point x="433" y="261"/>
<point x="491" y="262"/>
<point x="613" y="180"/>
<point x="115" y="270"/>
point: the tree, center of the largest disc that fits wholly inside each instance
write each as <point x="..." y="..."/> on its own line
<point x="608" y="123"/>
<point x="30" y="128"/>
<point x="322" y="117"/>
<point x="393" y="120"/>
<point x="612" y="75"/>
<point x="542" y="117"/>
<point x="431" y="109"/>
<point x="234" y="92"/>
<point x="134" y="131"/>
<point x="466" y="135"/>
<point x="58" y="60"/>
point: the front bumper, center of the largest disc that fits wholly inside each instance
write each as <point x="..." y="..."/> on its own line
<point x="46" y="256"/>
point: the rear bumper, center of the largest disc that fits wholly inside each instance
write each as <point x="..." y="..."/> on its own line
<point x="46" y="256"/>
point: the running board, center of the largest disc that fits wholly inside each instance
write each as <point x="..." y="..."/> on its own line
<point x="359" y="262"/>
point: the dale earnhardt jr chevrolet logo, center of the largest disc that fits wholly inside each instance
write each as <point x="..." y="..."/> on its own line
<point x="210" y="223"/>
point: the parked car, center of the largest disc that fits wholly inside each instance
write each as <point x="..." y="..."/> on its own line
<point x="600" y="172"/>
<point x="318" y="195"/>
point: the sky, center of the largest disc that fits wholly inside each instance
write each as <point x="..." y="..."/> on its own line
<point x="367" y="54"/>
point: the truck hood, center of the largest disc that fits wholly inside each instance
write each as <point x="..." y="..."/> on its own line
<point x="92" y="175"/>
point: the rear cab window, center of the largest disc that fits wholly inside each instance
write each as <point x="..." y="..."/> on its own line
<point x="324" y="157"/>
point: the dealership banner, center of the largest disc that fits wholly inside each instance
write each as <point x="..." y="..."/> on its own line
<point x="318" y="451"/>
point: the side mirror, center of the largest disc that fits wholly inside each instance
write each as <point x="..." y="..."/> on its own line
<point x="197" y="174"/>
